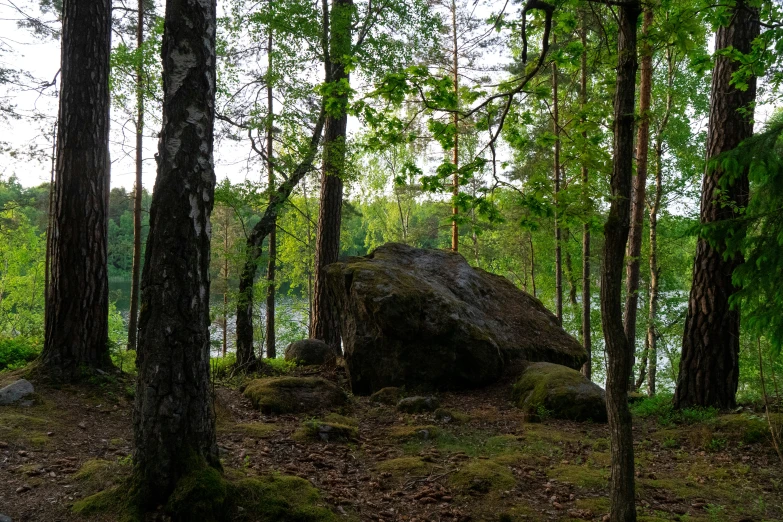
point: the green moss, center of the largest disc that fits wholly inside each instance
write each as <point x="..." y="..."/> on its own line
<point x="294" y="394"/>
<point x="97" y="475"/>
<point x="25" y="429"/>
<point x="405" y="466"/>
<point x="199" y="495"/>
<point x="414" y="432"/>
<point x="279" y="498"/>
<point x="582" y="476"/>
<point x="341" y="419"/>
<point x="545" y="390"/>
<point x="746" y="428"/>
<point x="113" y="502"/>
<point x="388" y="396"/>
<point x="418" y="404"/>
<point x="451" y="416"/>
<point x="326" y="431"/>
<point x="482" y="476"/>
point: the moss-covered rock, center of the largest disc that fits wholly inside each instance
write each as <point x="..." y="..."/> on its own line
<point x="389" y="396"/>
<point x="206" y="495"/>
<point x="405" y="466"/>
<point x="425" y="319"/>
<point x="294" y="394"/>
<point x="326" y="431"/>
<point x="418" y="404"/>
<point x="546" y="389"/>
<point x="482" y="476"/>
<point x="309" y="352"/>
<point x="403" y="433"/>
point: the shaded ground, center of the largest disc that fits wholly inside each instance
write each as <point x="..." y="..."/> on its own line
<point x="490" y="465"/>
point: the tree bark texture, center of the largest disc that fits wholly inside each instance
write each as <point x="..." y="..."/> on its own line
<point x="245" y="353"/>
<point x="173" y="421"/>
<point x="623" y="508"/>
<point x="556" y="173"/>
<point x="271" y="351"/>
<point x="77" y="310"/>
<point x="455" y="121"/>
<point x="136" y="268"/>
<point x="709" y="366"/>
<point x="587" y="368"/>
<point x="634" y="250"/>
<point x="326" y="323"/>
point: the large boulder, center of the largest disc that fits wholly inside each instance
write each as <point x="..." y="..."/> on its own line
<point x="16" y="391"/>
<point x="551" y="390"/>
<point x="426" y="319"/>
<point x="309" y="352"/>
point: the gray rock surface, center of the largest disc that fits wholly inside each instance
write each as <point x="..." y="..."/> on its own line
<point x="16" y="391"/>
<point x="425" y="319"/>
<point x="308" y="352"/>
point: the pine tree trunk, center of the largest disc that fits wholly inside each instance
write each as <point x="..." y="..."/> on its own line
<point x="271" y="350"/>
<point x="556" y="168"/>
<point x="326" y="323"/>
<point x="173" y="422"/>
<point x="632" y="268"/>
<point x="709" y="366"/>
<point x="78" y="307"/>
<point x="245" y="353"/>
<point x="587" y="368"/>
<point x="133" y="314"/>
<point x="623" y="508"/>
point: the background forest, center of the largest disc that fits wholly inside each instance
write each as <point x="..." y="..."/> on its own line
<point x="524" y="204"/>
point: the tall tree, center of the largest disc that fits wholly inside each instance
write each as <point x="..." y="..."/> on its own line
<point x="78" y="305"/>
<point x="634" y="250"/>
<point x="173" y="420"/>
<point x="709" y="366"/>
<point x="455" y="120"/>
<point x="326" y="324"/>
<point x="618" y="351"/>
<point x="271" y="351"/>
<point x="587" y="368"/>
<point x="133" y="313"/>
<point x="556" y="173"/>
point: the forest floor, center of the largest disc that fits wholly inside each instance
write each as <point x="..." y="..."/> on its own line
<point x="486" y="464"/>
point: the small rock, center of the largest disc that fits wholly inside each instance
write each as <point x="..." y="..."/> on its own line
<point x="16" y="391"/>
<point x="3" y="444"/>
<point x="417" y="404"/>
<point x="22" y="489"/>
<point x="5" y="518"/>
<point x="82" y="425"/>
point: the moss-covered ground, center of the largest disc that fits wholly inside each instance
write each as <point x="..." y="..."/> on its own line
<point x="68" y="457"/>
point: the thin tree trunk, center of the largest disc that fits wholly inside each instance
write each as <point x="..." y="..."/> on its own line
<point x="455" y="157"/>
<point x="651" y="339"/>
<point x="245" y="353"/>
<point x="133" y="314"/>
<point x="326" y="323"/>
<point x="532" y="263"/>
<point x="49" y="224"/>
<point x="587" y="368"/>
<point x="569" y="271"/>
<point x="709" y="366"/>
<point x="271" y="351"/>
<point x="78" y="307"/>
<point x="173" y="421"/>
<point x="623" y="508"/>
<point x="632" y="268"/>
<point x="225" y="282"/>
<point x="558" y="232"/>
